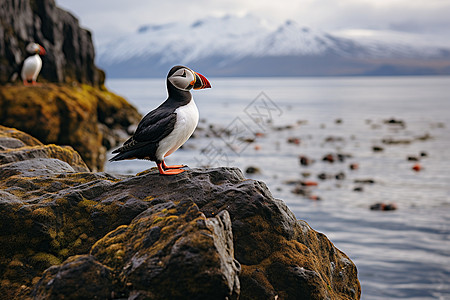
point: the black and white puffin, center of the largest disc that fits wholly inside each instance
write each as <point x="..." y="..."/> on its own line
<point x="32" y="64"/>
<point x="163" y="130"/>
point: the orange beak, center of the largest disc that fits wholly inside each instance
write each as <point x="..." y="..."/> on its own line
<point x="201" y="82"/>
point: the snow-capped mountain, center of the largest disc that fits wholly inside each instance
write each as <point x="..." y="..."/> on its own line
<point x="250" y="46"/>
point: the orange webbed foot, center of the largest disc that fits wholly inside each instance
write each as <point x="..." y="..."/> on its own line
<point x="171" y="172"/>
<point x="165" y="167"/>
<point x="175" y="167"/>
<point x="168" y="170"/>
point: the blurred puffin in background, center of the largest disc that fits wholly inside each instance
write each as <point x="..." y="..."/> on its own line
<point x="163" y="130"/>
<point x="32" y="64"/>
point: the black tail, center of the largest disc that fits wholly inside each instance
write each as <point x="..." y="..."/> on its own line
<point x="133" y="150"/>
<point x="16" y="73"/>
<point x="121" y="156"/>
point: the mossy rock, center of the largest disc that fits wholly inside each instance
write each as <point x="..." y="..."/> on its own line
<point x="28" y="140"/>
<point x="87" y="118"/>
<point x="204" y="234"/>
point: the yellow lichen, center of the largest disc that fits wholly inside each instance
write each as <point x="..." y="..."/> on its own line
<point x="114" y="247"/>
<point x="157" y="219"/>
<point x="119" y="254"/>
<point x="148" y="198"/>
<point x="169" y="219"/>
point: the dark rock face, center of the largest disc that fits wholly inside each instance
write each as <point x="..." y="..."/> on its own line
<point x="70" y="51"/>
<point x="82" y="114"/>
<point x="202" y="234"/>
<point x="76" y="278"/>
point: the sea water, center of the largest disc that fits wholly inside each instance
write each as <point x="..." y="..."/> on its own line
<point x="268" y="123"/>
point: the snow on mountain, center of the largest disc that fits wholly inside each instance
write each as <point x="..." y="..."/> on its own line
<point x="380" y="43"/>
<point x="230" y="39"/>
<point x="229" y="36"/>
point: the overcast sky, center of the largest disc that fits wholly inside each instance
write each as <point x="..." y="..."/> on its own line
<point x="110" y="19"/>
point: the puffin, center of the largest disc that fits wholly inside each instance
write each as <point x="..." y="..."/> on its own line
<point x="32" y="65"/>
<point x="163" y="130"/>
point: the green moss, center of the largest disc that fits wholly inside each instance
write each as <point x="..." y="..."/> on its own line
<point x="52" y="232"/>
<point x="113" y="254"/>
<point x="77" y="243"/>
<point x="43" y="214"/>
<point x="55" y="244"/>
<point x="88" y="204"/>
<point x="60" y="114"/>
<point x="64" y="252"/>
<point x="45" y="260"/>
<point x="17" y="134"/>
<point x="61" y="202"/>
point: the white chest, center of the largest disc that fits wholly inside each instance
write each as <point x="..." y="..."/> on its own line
<point x="187" y="120"/>
<point x="31" y="67"/>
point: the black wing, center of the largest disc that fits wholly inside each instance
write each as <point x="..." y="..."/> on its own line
<point x="155" y="126"/>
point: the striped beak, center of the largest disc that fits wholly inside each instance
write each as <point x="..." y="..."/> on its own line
<point x="41" y="50"/>
<point x="201" y="82"/>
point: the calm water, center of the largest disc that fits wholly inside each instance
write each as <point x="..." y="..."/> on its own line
<point x="401" y="254"/>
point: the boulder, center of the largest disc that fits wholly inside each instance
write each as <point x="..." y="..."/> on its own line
<point x="203" y="234"/>
<point x="87" y="118"/>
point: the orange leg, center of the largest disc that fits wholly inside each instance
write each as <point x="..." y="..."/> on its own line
<point x="167" y="172"/>
<point x="165" y="167"/>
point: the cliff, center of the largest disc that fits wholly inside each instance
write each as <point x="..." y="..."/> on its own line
<point x="70" y="51"/>
<point x="71" y="107"/>
<point x="67" y="233"/>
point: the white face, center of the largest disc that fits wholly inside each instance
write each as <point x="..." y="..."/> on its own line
<point x="32" y="48"/>
<point x="183" y="79"/>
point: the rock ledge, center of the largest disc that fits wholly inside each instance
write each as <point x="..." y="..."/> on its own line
<point x="203" y="234"/>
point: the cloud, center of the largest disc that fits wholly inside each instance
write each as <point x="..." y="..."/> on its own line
<point x="111" y="19"/>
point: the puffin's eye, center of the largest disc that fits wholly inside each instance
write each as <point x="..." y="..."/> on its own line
<point x="183" y="79"/>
